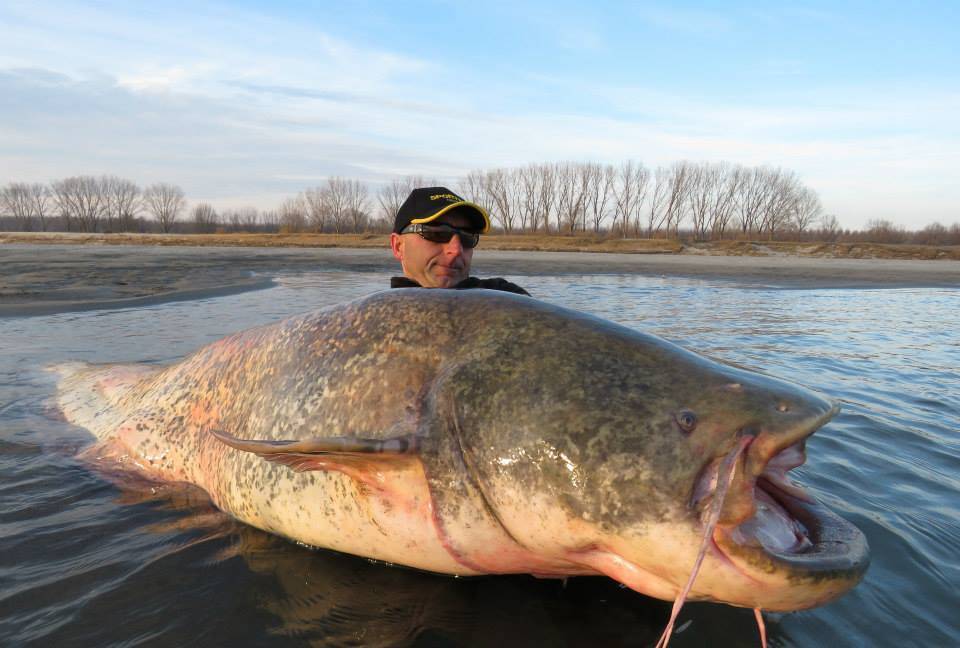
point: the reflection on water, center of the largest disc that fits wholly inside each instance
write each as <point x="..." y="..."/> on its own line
<point x="86" y="560"/>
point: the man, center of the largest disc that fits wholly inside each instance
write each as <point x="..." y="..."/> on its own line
<point x="434" y="234"/>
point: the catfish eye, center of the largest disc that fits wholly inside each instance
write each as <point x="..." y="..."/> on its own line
<point x="686" y="419"/>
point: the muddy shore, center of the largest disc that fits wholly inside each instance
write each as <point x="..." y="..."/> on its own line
<point x="47" y="278"/>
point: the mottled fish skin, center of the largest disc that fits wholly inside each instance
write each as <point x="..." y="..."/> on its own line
<point x="547" y="440"/>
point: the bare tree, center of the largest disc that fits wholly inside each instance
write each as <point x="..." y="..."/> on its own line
<point x="164" y="202"/>
<point x="884" y="231"/>
<point x="230" y="218"/>
<point x="293" y="215"/>
<point x="656" y="215"/>
<point x="270" y="220"/>
<point x="600" y="195"/>
<point x="473" y="187"/>
<point x="953" y="234"/>
<point x="528" y="197"/>
<point x="503" y="195"/>
<point x="781" y="196"/>
<point x="205" y="218"/>
<point x="243" y="219"/>
<point x="725" y="198"/>
<point x="548" y="195"/>
<point x="641" y="189"/>
<point x="564" y="195"/>
<point x="356" y="205"/>
<point x="336" y="200"/>
<point x="829" y="227"/>
<point x="123" y="203"/>
<point x="711" y="196"/>
<point x="701" y="185"/>
<point x="106" y="187"/>
<point x="317" y="203"/>
<point x="678" y="184"/>
<point x="585" y="177"/>
<point x="753" y="195"/>
<point x="571" y="187"/>
<point x="624" y="196"/>
<point x="933" y="234"/>
<point x="16" y="200"/>
<point x="534" y="195"/>
<point x="806" y="209"/>
<point x="81" y="200"/>
<point x="41" y="198"/>
<point x="391" y="196"/>
<point x="247" y="219"/>
<point x="62" y="203"/>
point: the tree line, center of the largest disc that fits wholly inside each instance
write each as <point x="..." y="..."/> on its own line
<point x="700" y="200"/>
<point x="90" y="204"/>
<point x="711" y="200"/>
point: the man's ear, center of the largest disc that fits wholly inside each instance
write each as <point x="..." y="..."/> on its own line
<point x="396" y="244"/>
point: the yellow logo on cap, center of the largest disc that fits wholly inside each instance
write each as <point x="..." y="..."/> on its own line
<point x="447" y="196"/>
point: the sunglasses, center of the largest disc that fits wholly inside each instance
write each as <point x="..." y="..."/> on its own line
<point x="442" y="233"/>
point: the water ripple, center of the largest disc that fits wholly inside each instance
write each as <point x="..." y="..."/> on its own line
<point x="85" y="563"/>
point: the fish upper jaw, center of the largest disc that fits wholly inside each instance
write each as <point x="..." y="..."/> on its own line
<point x="773" y="437"/>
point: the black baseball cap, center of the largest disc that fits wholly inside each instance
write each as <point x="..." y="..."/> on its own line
<point x="427" y="204"/>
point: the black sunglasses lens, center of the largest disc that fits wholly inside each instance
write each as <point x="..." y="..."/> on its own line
<point x="468" y="240"/>
<point x="437" y="236"/>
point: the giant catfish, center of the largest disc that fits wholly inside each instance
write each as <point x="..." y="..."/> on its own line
<point x="478" y="432"/>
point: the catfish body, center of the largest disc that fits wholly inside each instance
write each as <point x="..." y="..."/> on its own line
<point x="474" y="432"/>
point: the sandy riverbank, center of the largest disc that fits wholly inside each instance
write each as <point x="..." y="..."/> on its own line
<point x="580" y="242"/>
<point x="47" y="278"/>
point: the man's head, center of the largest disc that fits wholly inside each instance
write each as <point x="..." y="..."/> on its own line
<point x="433" y="236"/>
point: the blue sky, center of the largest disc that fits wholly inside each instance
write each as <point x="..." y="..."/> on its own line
<point x="250" y="102"/>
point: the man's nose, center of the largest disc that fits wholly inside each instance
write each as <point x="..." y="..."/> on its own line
<point x="454" y="246"/>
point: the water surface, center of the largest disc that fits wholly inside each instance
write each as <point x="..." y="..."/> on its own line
<point x="88" y="562"/>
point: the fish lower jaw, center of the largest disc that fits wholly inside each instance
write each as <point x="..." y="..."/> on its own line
<point x="775" y="588"/>
<point x="800" y="553"/>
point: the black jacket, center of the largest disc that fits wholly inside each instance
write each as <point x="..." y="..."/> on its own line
<point x="497" y="283"/>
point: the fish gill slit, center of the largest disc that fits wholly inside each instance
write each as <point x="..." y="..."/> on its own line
<point x="458" y="435"/>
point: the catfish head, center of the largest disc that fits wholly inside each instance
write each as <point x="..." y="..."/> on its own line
<point x="597" y="448"/>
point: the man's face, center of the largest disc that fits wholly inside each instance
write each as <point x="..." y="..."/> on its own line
<point x="434" y="265"/>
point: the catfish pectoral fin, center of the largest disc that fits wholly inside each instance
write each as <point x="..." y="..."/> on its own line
<point x="400" y="445"/>
<point x="355" y="457"/>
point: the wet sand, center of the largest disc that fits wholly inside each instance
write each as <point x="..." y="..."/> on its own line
<point x="39" y="279"/>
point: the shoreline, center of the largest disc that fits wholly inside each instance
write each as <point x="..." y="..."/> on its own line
<point x="86" y="302"/>
<point x="529" y="242"/>
<point x="38" y="279"/>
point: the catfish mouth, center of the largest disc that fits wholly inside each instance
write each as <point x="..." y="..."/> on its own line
<point x="781" y="524"/>
<point x="770" y="522"/>
<point x="823" y="542"/>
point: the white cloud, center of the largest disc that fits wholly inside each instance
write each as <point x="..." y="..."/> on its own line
<point x="241" y="105"/>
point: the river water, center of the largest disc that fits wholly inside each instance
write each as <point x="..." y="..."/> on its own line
<point x="89" y="562"/>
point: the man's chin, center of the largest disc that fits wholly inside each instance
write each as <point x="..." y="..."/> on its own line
<point x="446" y="280"/>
